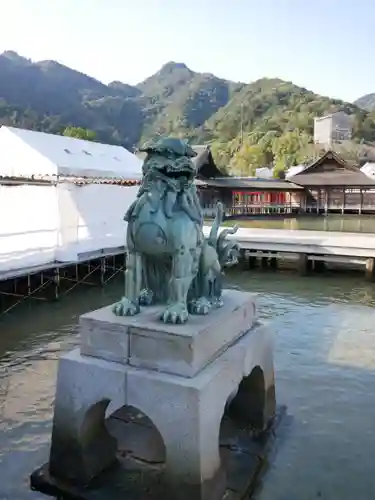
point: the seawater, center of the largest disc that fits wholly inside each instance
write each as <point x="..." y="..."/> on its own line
<point x="325" y="374"/>
<point x="336" y="223"/>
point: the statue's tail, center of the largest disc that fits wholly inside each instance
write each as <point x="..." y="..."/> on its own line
<point x="212" y="239"/>
<point x="224" y="234"/>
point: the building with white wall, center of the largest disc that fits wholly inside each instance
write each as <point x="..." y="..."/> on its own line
<point x="264" y="172"/>
<point x="332" y="128"/>
<point x="369" y="169"/>
<point x="61" y="197"/>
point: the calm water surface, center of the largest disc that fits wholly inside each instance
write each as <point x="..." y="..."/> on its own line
<point x="348" y="223"/>
<point x="325" y="374"/>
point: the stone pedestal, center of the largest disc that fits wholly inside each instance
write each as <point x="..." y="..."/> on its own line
<point x="181" y="376"/>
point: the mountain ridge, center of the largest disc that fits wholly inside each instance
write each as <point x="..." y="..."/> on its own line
<point x="239" y="119"/>
<point x="366" y="102"/>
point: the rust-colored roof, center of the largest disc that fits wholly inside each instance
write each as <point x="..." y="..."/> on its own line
<point x="346" y="174"/>
<point x="250" y="183"/>
<point x="339" y="179"/>
<point x="329" y="155"/>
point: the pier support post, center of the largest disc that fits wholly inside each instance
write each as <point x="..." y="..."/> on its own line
<point x="273" y="261"/>
<point x="319" y="266"/>
<point x="264" y="262"/>
<point x="242" y="259"/>
<point x="56" y="283"/>
<point x="252" y="261"/>
<point x="304" y="264"/>
<point x="103" y="269"/>
<point x="370" y="269"/>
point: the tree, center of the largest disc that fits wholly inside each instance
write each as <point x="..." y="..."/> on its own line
<point x="289" y="149"/>
<point x="279" y="170"/>
<point x="247" y="159"/>
<point x="222" y="154"/>
<point x="80" y="133"/>
<point x="266" y="143"/>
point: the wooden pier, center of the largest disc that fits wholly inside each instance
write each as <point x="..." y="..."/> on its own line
<point x="310" y="250"/>
<point x="56" y="279"/>
<point x="307" y="250"/>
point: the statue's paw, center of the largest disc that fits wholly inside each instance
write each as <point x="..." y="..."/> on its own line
<point x="125" y="308"/>
<point x="175" y="314"/>
<point x="146" y="297"/>
<point x="217" y="302"/>
<point x="201" y="306"/>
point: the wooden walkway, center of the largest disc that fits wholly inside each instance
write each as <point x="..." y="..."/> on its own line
<point x="54" y="279"/>
<point x="307" y="248"/>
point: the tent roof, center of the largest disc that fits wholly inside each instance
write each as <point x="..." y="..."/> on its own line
<point x="71" y="157"/>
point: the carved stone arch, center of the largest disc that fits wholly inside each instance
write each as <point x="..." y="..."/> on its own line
<point x="93" y="420"/>
<point x="248" y="405"/>
<point x="189" y="425"/>
<point x="81" y="444"/>
<point x="87" y="442"/>
<point x="136" y="434"/>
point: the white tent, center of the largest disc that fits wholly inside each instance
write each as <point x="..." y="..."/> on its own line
<point x="24" y="153"/>
<point x="61" y="220"/>
<point x="369" y="170"/>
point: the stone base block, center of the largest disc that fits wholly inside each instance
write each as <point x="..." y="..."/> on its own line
<point x="144" y="341"/>
<point x="187" y="412"/>
<point x="139" y="473"/>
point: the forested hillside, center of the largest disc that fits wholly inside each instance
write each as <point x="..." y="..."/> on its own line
<point x="248" y="125"/>
<point x="271" y="120"/>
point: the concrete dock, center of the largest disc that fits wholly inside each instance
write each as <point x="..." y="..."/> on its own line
<point x="309" y="249"/>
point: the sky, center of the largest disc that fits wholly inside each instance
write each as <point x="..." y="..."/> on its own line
<point x="324" y="45"/>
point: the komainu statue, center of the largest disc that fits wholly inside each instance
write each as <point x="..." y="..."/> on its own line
<point x="169" y="261"/>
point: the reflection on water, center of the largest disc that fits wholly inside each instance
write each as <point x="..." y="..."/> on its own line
<point x="325" y="372"/>
<point x="347" y="223"/>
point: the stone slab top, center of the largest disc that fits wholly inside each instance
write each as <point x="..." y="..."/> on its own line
<point x="145" y="341"/>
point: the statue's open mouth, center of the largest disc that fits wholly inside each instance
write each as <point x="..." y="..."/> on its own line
<point x="177" y="173"/>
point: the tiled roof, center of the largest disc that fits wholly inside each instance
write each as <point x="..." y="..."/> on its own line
<point x="251" y="183"/>
<point x="346" y="174"/>
<point x="355" y="179"/>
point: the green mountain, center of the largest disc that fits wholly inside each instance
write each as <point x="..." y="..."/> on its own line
<point x="271" y="120"/>
<point x="48" y="96"/>
<point x="180" y="100"/>
<point x="248" y="125"/>
<point x="366" y="102"/>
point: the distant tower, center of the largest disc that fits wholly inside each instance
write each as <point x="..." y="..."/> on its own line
<point x="332" y="128"/>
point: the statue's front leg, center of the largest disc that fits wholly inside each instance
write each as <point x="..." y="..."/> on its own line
<point x="129" y="304"/>
<point x="183" y="272"/>
<point x="146" y="295"/>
